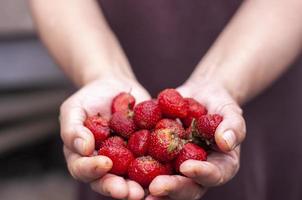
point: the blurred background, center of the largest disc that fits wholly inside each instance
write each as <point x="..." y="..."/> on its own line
<point x="31" y="89"/>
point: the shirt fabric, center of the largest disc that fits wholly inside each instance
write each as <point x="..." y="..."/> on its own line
<point x="164" y="40"/>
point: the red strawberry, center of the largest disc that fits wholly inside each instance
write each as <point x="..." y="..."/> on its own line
<point x="99" y="128"/>
<point x="144" y="169"/>
<point x="122" y="123"/>
<point x="172" y="125"/>
<point x="206" y="125"/>
<point x="120" y="156"/>
<point x="193" y="136"/>
<point x="114" y="140"/>
<point x="172" y="104"/>
<point x="147" y="114"/>
<point x="164" y="145"/>
<point x="195" y="110"/>
<point x="169" y="167"/>
<point x="122" y="102"/>
<point x="190" y="151"/>
<point x="138" y="142"/>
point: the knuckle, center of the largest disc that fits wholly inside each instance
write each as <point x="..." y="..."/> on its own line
<point x="68" y="134"/>
<point x="76" y="169"/>
<point x="63" y="106"/>
<point x="72" y="171"/>
<point x="236" y="164"/>
<point x="241" y="127"/>
<point x="221" y="181"/>
<point x="65" y="152"/>
<point x="225" y="106"/>
<point x="197" y="193"/>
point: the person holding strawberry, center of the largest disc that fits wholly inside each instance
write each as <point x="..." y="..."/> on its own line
<point x="164" y="41"/>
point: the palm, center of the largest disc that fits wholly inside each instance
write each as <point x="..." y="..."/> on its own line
<point x="96" y="97"/>
<point x="90" y="100"/>
<point x="220" y="167"/>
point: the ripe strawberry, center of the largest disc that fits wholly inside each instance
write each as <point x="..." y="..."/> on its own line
<point x="206" y="125"/>
<point x="193" y="136"/>
<point x="172" y="104"/>
<point x="164" y="145"/>
<point x="99" y="128"/>
<point x="195" y="110"/>
<point x="120" y="156"/>
<point x="138" y="142"/>
<point x="122" y="102"/>
<point x="114" y="140"/>
<point x="169" y="167"/>
<point x="144" y="169"/>
<point x="147" y="114"/>
<point x="172" y="125"/>
<point x="122" y="123"/>
<point x="190" y="151"/>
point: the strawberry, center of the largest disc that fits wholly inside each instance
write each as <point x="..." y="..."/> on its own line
<point x="164" y="145"/>
<point x="206" y="125"/>
<point x="169" y="167"/>
<point x="147" y="114"/>
<point x="99" y="128"/>
<point x="138" y="142"/>
<point x="122" y="123"/>
<point x="193" y="136"/>
<point x="190" y="151"/>
<point x="172" y="104"/>
<point x="172" y="125"/>
<point x="120" y="156"/>
<point x="195" y="110"/>
<point x="122" y="102"/>
<point x="114" y="140"/>
<point x="144" y="169"/>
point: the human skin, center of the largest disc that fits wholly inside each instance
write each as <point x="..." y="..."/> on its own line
<point x="257" y="46"/>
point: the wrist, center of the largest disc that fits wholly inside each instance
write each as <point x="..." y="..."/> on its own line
<point x="104" y="71"/>
<point x="219" y="76"/>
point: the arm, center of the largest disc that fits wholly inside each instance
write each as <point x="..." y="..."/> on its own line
<point x="78" y="37"/>
<point x="256" y="47"/>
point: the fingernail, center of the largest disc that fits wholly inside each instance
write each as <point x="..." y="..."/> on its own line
<point x="184" y="168"/>
<point x="230" y="138"/>
<point x="79" y="145"/>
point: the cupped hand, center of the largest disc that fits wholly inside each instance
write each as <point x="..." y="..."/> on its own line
<point x="82" y="162"/>
<point x="220" y="167"/>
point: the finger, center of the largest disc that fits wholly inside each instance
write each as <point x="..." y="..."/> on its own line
<point x="74" y="135"/>
<point x="175" y="187"/>
<point x="140" y="94"/>
<point x="86" y="169"/>
<point x="111" y="185"/>
<point x="232" y="130"/>
<point x="135" y="191"/>
<point x="184" y="91"/>
<point x="217" y="170"/>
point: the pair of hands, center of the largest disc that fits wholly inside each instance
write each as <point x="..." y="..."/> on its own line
<point x="84" y="164"/>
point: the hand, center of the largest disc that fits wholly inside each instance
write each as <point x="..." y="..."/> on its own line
<point x="79" y="141"/>
<point x="220" y="167"/>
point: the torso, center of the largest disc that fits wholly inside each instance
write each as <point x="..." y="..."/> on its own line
<point x="164" y="40"/>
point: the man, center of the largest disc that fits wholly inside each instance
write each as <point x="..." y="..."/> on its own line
<point x="253" y="50"/>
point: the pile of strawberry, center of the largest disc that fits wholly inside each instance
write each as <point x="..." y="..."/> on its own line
<point x="153" y="137"/>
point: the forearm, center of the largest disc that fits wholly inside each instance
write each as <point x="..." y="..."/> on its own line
<point x="78" y="37"/>
<point x="259" y="43"/>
